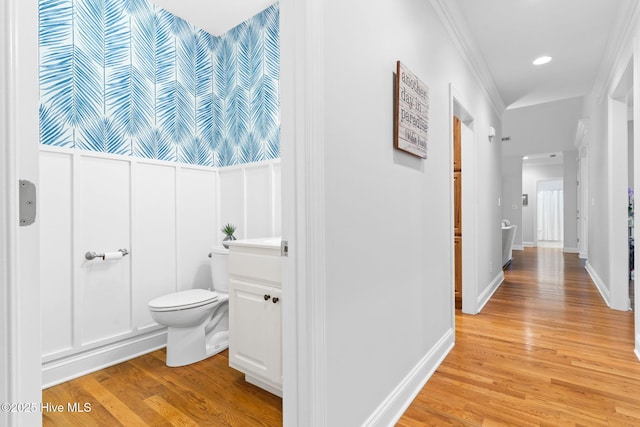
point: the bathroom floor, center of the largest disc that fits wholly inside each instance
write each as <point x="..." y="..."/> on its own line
<point x="145" y="392"/>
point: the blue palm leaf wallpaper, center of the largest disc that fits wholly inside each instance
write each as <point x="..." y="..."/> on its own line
<point x="127" y="77"/>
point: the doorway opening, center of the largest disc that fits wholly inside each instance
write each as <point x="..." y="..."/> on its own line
<point x="550" y="213"/>
<point x="543" y="200"/>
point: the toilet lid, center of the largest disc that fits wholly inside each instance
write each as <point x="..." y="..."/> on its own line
<point x="183" y="300"/>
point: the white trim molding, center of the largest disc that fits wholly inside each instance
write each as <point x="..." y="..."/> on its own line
<point x="60" y="370"/>
<point x="20" y="262"/>
<point x="303" y="201"/>
<point x="485" y="296"/>
<point x="397" y="402"/>
<point x="600" y="285"/>
<point x="6" y="207"/>
<point x="618" y="50"/>
<point x="451" y="18"/>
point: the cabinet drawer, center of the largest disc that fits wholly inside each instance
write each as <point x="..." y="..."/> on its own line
<point x="259" y="267"/>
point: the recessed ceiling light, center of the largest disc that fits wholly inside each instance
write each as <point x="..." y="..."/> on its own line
<point x="525" y="158"/>
<point x="541" y="60"/>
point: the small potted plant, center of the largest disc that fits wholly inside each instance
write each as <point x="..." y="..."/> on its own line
<point x="228" y="231"/>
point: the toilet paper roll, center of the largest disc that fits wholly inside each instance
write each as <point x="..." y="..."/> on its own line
<point x="112" y="255"/>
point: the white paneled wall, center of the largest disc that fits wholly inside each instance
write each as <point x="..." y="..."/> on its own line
<point x="94" y="313"/>
<point x="103" y="224"/>
<point x="196" y="218"/>
<point x="56" y="247"/>
<point x="153" y="237"/>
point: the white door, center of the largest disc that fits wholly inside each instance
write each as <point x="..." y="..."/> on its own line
<point x="20" y="254"/>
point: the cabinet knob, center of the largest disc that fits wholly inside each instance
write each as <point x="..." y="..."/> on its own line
<point x="275" y="299"/>
<point x="267" y="297"/>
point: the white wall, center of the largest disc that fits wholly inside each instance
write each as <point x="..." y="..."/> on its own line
<point x="512" y="191"/>
<point x="607" y="110"/>
<point x="94" y="313"/>
<point x="542" y="128"/>
<point x="388" y="217"/>
<point x="538" y="129"/>
<point x="598" y="252"/>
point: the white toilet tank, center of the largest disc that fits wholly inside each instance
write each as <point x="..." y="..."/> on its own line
<point x="219" y="268"/>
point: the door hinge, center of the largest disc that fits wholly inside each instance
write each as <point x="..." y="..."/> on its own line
<point x="27" y="201"/>
<point x="284" y="248"/>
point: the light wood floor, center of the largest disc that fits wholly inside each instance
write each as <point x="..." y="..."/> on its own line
<point x="545" y="351"/>
<point x="145" y="392"/>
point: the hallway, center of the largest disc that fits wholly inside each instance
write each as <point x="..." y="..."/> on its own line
<point x="544" y="351"/>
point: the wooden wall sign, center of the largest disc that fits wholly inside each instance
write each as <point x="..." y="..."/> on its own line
<point x="411" y="113"/>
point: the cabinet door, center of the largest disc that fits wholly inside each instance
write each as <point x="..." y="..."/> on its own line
<point x="251" y="327"/>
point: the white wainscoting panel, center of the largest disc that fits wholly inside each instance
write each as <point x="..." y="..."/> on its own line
<point x="258" y="201"/>
<point x="232" y="200"/>
<point x="153" y="248"/>
<point x="196" y="206"/>
<point x="277" y="199"/>
<point x="105" y="286"/>
<point x="56" y="268"/>
<point x="94" y="313"/>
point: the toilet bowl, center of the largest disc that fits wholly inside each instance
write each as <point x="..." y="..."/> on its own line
<point x="197" y="320"/>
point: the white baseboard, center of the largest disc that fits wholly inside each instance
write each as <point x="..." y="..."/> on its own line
<point x="529" y="244"/>
<point x="517" y="248"/>
<point x="600" y="285"/>
<point x="571" y="250"/>
<point x="394" y="406"/>
<point x="637" y="349"/>
<point x="485" y="296"/>
<point x="582" y="255"/>
<point x="66" y="368"/>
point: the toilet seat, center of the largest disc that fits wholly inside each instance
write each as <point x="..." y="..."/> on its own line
<point x="183" y="300"/>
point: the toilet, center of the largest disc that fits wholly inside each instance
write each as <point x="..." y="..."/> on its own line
<point x="197" y="320"/>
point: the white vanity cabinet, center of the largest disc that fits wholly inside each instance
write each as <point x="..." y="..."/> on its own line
<point x="255" y="311"/>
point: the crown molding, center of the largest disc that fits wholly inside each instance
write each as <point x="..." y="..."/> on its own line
<point x="619" y="50"/>
<point x="451" y="17"/>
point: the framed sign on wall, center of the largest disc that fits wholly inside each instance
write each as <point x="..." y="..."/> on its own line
<point x="411" y="113"/>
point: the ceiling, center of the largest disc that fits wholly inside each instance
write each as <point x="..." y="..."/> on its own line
<point x="510" y="34"/>
<point x="215" y="16"/>
<point x="507" y="35"/>
<point x="544" y="159"/>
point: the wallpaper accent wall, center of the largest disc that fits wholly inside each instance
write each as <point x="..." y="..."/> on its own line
<point x="127" y="77"/>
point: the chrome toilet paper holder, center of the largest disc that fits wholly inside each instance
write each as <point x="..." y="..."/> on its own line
<point x="91" y="255"/>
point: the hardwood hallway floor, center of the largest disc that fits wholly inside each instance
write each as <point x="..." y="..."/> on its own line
<point x="545" y="350"/>
<point x="145" y="392"/>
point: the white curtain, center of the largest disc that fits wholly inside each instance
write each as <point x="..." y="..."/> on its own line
<point x="550" y="215"/>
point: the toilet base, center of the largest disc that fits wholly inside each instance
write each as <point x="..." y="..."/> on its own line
<point x="187" y="345"/>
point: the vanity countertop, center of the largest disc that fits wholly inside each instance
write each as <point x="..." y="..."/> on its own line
<point x="263" y="242"/>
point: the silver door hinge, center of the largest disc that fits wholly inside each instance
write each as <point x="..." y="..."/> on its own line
<point x="284" y="248"/>
<point x="27" y="201"/>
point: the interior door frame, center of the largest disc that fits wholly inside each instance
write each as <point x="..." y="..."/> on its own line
<point x="6" y="206"/>
<point x="20" y="253"/>
<point x="303" y="206"/>
<point x="459" y="107"/>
